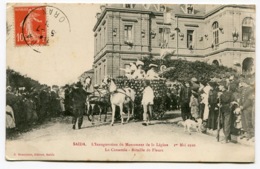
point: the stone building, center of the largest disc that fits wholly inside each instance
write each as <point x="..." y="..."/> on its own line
<point x="216" y="34"/>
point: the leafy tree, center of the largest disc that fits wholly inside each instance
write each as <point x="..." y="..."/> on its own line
<point x="183" y="70"/>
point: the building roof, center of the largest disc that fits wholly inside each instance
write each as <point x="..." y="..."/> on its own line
<point x="89" y="71"/>
<point x="201" y="11"/>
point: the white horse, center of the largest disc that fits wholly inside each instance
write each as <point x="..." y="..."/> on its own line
<point x="96" y="97"/>
<point x="120" y="97"/>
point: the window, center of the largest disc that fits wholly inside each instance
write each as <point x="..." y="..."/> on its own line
<point x="190" y="38"/>
<point x="189" y="9"/>
<point x="129" y="5"/>
<point x="129" y="32"/>
<point x="247" y="29"/>
<point x="164" y="37"/>
<point x="246" y="33"/>
<point x="215" y="33"/>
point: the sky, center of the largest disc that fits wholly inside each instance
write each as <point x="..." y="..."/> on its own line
<point x="69" y="53"/>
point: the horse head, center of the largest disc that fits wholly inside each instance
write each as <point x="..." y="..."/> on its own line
<point x="108" y="83"/>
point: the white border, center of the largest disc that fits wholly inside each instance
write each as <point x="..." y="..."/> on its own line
<point x="56" y="165"/>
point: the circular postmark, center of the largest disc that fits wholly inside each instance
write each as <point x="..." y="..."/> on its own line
<point x="42" y="25"/>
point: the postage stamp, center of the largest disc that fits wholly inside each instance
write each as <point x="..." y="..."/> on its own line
<point x="30" y="26"/>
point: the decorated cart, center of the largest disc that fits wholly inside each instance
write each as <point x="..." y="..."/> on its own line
<point x="160" y="89"/>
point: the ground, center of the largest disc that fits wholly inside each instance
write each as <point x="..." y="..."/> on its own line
<point x="163" y="140"/>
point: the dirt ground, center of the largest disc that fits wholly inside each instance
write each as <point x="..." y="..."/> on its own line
<point x="163" y="140"/>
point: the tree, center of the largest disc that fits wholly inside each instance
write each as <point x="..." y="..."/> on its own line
<point x="184" y="70"/>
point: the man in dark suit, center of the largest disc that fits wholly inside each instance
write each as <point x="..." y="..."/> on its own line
<point x="185" y="95"/>
<point x="78" y="99"/>
<point x="225" y="99"/>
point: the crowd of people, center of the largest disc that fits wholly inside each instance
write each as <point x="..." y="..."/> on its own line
<point x="29" y="106"/>
<point x="226" y="103"/>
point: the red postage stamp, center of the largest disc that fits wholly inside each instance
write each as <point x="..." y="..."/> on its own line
<point x="30" y="26"/>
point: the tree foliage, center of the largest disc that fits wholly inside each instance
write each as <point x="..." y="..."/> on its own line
<point x="16" y="80"/>
<point x="183" y="70"/>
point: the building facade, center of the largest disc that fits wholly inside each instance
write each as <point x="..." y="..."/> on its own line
<point x="216" y="34"/>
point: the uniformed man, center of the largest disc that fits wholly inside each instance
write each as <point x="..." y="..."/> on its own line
<point x="78" y="99"/>
<point x="225" y="99"/>
<point x="152" y="74"/>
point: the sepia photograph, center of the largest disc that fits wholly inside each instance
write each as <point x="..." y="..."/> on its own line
<point x="132" y="82"/>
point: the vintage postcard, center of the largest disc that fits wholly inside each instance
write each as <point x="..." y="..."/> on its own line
<point x="130" y="82"/>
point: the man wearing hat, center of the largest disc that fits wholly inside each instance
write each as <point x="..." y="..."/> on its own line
<point x="185" y="95"/>
<point x="152" y="74"/>
<point x="225" y="99"/>
<point x="78" y="99"/>
<point x="213" y="109"/>
<point x="195" y="84"/>
<point x="246" y="106"/>
<point x="43" y="103"/>
<point x="139" y="73"/>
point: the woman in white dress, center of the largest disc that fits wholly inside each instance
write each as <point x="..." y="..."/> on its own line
<point x="10" y="120"/>
<point x="139" y="73"/>
<point x="152" y="74"/>
<point x="147" y="102"/>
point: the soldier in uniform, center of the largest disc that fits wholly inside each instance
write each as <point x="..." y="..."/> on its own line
<point x="225" y="99"/>
<point x="78" y="99"/>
